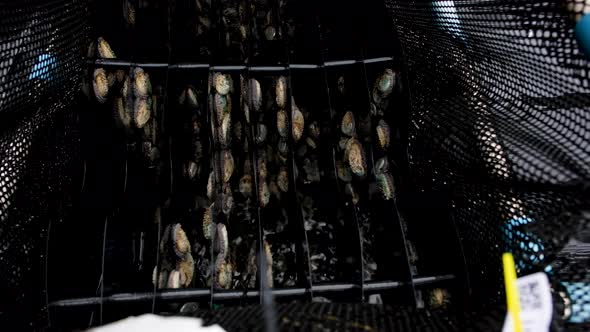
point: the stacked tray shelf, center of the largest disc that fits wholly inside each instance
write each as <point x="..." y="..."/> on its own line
<point x="331" y="239"/>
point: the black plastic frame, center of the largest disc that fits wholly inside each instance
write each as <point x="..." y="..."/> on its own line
<point x="306" y="289"/>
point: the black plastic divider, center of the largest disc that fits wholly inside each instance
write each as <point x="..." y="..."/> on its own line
<point x="392" y="156"/>
<point x="317" y="183"/>
<point x="358" y="37"/>
<point x="102" y="271"/>
<point x="143" y="179"/>
<point x="191" y="146"/>
<point x="242" y="222"/>
<point x="278" y="219"/>
<point x="158" y="218"/>
<point x="372" y="29"/>
<point x="362" y="251"/>
<point x="145" y="185"/>
<point x="214" y="163"/>
<point x="218" y="170"/>
<point x="294" y="173"/>
<point x="89" y="126"/>
<point x="216" y="52"/>
<point x="214" y="17"/>
<point x="227" y="22"/>
<point x="215" y="21"/>
<point x="187" y="201"/>
<point x="251" y="132"/>
<point x="438" y="250"/>
<point x="355" y="257"/>
<point x="351" y="216"/>
<point x="246" y="220"/>
<point x="303" y="255"/>
<point x="461" y="268"/>
<point x="165" y="123"/>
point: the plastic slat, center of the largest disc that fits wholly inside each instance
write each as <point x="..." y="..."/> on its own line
<point x="229" y="68"/>
<point x="324" y="66"/>
<point x="303" y="239"/>
<point x="190" y="294"/>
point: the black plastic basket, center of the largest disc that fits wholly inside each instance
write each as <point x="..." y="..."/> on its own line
<point x="489" y="153"/>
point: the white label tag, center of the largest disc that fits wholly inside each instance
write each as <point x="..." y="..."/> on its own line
<point x="154" y="323"/>
<point x="536" y="304"/>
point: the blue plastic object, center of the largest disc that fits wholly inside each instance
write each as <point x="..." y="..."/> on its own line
<point x="44" y="67"/>
<point x="582" y="31"/>
<point x="531" y="248"/>
<point x="517" y="240"/>
<point x="578" y="292"/>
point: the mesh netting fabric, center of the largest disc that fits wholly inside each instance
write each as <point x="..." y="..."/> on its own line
<point x="357" y="317"/>
<point x="327" y="316"/>
<point x="39" y="70"/>
<point x="500" y="122"/>
<point x="40" y="52"/>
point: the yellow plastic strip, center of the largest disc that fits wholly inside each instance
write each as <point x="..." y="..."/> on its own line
<point x="512" y="298"/>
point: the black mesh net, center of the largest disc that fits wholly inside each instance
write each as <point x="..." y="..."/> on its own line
<point x="499" y="95"/>
<point x="322" y="316"/>
<point x="39" y="75"/>
<point x="201" y="157"/>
